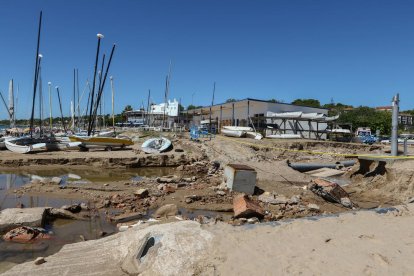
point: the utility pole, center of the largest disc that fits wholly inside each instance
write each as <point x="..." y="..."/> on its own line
<point x="394" y="129"/>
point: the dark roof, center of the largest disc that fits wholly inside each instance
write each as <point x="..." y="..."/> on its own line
<point x="258" y="100"/>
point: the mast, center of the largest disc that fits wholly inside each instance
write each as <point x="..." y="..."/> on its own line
<point x="35" y="75"/>
<point x="40" y="97"/>
<point x="72" y="113"/>
<point x="77" y="86"/>
<point x="165" y="101"/>
<point x="212" y="103"/>
<point x="60" y="107"/>
<point x="16" y="104"/>
<point x="50" y="106"/>
<point x="113" y="100"/>
<point x="97" y="93"/>
<point x="11" y="103"/>
<point x="100" y="36"/>
<point x="74" y="99"/>
<point x="99" y="96"/>
<point x="148" y="103"/>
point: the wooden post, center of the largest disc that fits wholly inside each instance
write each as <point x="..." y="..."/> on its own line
<point x="221" y="117"/>
<point x="248" y="112"/>
<point x="232" y="116"/>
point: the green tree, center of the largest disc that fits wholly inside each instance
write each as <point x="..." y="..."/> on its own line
<point x="274" y="101"/>
<point x="231" y="100"/>
<point x="365" y="116"/>
<point x="335" y="109"/>
<point x="193" y="107"/>
<point x="127" y="108"/>
<point x="307" y="102"/>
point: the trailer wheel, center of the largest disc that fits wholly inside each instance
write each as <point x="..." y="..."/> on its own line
<point x="108" y="148"/>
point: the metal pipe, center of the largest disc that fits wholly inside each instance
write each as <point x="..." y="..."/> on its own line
<point x="305" y="167"/>
<point x="394" y="129"/>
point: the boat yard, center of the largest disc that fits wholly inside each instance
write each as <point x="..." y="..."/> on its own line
<point x="194" y="183"/>
<point x="250" y="185"/>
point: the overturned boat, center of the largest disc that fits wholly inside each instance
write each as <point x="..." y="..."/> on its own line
<point x="155" y="145"/>
<point x="233" y="133"/>
<point x="254" y="135"/>
<point x="240" y="131"/>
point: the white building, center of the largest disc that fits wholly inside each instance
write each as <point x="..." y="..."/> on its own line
<point x="155" y="115"/>
<point x="171" y="108"/>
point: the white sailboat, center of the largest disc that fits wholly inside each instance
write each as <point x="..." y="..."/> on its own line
<point x="10" y="109"/>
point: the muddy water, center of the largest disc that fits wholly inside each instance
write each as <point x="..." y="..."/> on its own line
<point x="10" y="180"/>
<point x="64" y="231"/>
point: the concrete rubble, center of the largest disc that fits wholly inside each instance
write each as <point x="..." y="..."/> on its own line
<point x="13" y="217"/>
<point x="25" y="234"/>
<point x="165" y="249"/>
<point x="166" y="211"/>
<point x="246" y="208"/>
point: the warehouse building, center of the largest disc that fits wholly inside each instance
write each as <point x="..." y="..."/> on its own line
<point x="256" y="113"/>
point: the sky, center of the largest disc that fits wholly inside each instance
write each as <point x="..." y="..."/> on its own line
<point x="353" y="52"/>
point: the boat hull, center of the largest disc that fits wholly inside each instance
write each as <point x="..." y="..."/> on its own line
<point x="284" y="136"/>
<point x="254" y="135"/>
<point x="150" y="146"/>
<point x="27" y="145"/>
<point x="233" y="133"/>
<point x="104" y="142"/>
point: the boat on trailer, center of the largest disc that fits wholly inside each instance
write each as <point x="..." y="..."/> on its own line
<point x="107" y="143"/>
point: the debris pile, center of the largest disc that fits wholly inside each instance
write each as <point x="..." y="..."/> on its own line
<point x="330" y="191"/>
<point x="26" y="234"/>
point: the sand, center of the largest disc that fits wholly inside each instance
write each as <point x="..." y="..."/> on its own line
<point x="362" y="243"/>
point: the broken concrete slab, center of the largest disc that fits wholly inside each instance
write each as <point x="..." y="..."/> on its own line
<point x="141" y="193"/>
<point x="166" y="211"/>
<point x="165" y="249"/>
<point x="313" y="207"/>
<point x="325" y="172"/>
<point x="126" y="217"/>
<point x="14" y="217"/>
<point x="65" y="214"/>
<point x="328" y="190"/>
<point x="246" y="208"/>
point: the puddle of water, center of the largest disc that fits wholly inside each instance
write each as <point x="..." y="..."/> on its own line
<point x="194" y="213"/>
<point x="12" y="180"/>
<point x="64" y="232"/>
<point x="81" y="174"/>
